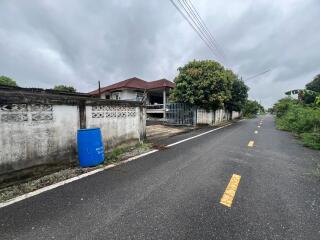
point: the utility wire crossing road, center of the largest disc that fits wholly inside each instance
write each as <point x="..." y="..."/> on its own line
<point x="211" y="185"/>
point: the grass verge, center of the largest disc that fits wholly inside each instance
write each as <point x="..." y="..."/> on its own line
<point x="300" y="119"/>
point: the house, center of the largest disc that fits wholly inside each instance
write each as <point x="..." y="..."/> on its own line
<point x="154" y="93"/>
<point x="293" y="93"/>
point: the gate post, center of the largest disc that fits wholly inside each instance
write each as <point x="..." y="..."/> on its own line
<point x="164" y="104"/>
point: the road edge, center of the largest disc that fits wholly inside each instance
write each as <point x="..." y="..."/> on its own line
<point x="58" y="184"/>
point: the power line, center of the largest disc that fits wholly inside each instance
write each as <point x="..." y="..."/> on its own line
<point x="193" y="16"/>
<point x="197" y="23"/>
<point x="254" y="76"/>
<point x="196" y="27"/>
<point x="192" y="23"/>
<point x="205" y="27"/>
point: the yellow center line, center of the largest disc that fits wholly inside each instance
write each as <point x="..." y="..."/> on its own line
<point x="251" y="143"/>
<point x="255" y="132"/>
<point x="230" y="192"/>
<point x="259" y="126"/>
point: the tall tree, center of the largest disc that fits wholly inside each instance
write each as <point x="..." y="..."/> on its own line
<point x="64" y="88"/>
<point x="308" y="96"/>
<point x="202" y="83"/>
<point x="4" y="80"/>
<point x="314" y="85"/>
<point x="239" y="93"/>
<point x="252" y="108"/>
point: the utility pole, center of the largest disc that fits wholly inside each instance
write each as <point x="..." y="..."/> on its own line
<point x="164" y="104"/>
<point x="99" y="89"/>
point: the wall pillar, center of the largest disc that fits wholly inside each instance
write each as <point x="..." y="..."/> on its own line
<point x="164" y="104"/>
<point x="82" y="114"/>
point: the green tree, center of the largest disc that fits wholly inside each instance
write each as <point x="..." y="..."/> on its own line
<point x="239" y="95"/>
<point x="308" y="96"/>
<point x="7" y="81"/>
<point x="314" y="85"/>
<point x="205" y="84"/>
<point x="64" y="88"/>
<point x="252" y="108"/>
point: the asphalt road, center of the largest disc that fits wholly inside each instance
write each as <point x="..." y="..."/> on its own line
<point x="175" y="193"/>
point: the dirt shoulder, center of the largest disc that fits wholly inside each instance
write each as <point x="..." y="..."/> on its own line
<point x="28" y="185"/>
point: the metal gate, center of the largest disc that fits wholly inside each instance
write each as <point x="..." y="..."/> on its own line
<point x="180" y="114"/>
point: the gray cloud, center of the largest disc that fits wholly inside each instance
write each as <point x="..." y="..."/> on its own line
<point x="46" y="42"/>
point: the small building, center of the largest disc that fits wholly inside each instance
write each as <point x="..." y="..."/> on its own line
<point x="293" y="93"/>
<point x="154" y="93"/>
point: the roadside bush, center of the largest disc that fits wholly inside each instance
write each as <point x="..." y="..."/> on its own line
<point x="311" y="140"/>
<point x="300" y="119"/>
<point x="281" y="107"/>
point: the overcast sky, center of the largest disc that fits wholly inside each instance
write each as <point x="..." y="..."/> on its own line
<point x="78" y="42"/>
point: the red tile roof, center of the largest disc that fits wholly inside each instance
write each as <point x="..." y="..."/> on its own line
<point x="135" y="83"/>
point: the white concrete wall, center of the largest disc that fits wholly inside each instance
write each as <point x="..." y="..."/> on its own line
<point x="220" y="116"/>
<point x="103" y="95"/>
<point x="205" y="117"/>
<point x="128" y="95"/>
<point x="214" y="117"/>
<point x="36" y="134"/>
<point x="32" y="135"/>
<point x="235" y="115"/>
<point x="117" y="123"/>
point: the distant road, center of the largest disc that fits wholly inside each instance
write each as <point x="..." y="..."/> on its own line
<point x="239" y="182"/>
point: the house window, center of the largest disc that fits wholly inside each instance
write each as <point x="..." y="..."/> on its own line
<point x="139" y="96"/>
<point x="116" y="96"/>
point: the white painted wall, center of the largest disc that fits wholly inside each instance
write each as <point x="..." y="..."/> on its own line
<point x="126" y="94"/>
<point x="235" y="115"/>
<point x="214" y="117"/>
<point x="46" y="134"/>
<point x="205" y="117"/>
<point x="117" y="123"/>
<point x="103" y="95"/>
<point x="33" y="142"/>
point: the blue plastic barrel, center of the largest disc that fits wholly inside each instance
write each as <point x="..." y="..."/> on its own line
<point x="90" y="147"/>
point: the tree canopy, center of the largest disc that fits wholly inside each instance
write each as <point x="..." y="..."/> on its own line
<point x="314" y="85"/>
<point x="312" y="91"/>
<point x="4" y="80"/>
<point x="209" y="85"/>
<point x="252" y="108"/>
<point x="64" y="88"/>
<point x="308" y="96"/>
<point x="239" y="95"/>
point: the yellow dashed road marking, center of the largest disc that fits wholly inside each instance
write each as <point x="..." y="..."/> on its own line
<point x="255" y="132"/>
<point x="259" y="126"/>
<point x="251" y="143"/>
<point x="230" y="191"/>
